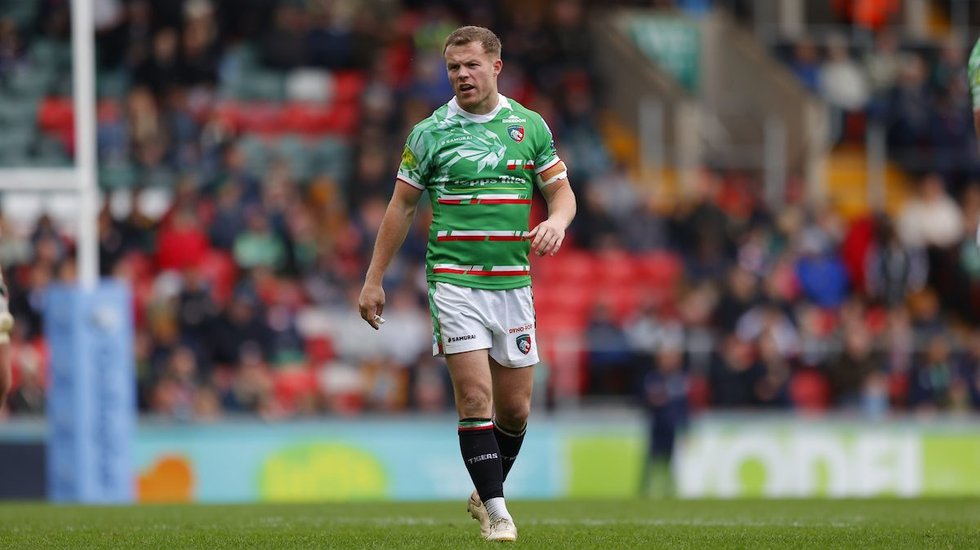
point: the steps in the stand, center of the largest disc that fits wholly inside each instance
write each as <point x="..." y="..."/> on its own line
<point x="847" y="183"/>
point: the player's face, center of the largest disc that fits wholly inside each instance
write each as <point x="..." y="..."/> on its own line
<point x="473" y="74"/>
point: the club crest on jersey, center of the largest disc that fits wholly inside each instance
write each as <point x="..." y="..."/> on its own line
<point x="524" y="343"/>
<point x="516" y="132"/>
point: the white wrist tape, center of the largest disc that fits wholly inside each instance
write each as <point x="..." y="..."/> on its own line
<point x="559" y="176"/>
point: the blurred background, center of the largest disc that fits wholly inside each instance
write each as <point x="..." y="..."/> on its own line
<point x="772" y="286"/>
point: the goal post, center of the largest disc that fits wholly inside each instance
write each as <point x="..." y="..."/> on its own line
<point x="88" y="327"/>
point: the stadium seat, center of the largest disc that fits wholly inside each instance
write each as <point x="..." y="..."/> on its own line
<point x="30" y="83"/>
<point x="698" y="392"/>
<point x="294" y="152"/>
<point x="260" y="118"/>
<point x="320" y="350"/>
<point x="220" y="270"/>
<point x="330" y="156"/>
<point x="810" y="390"/>
<point x="117" y="175"/>
<point x="308" y="85"/>
<point x="658" y="272"/>
<point x="898" y="388"/>
<point x="575" y="266"/>
<point x="616" y="268"/>
<point x="55" y="115"/>
<point x="257" y="155"/>
<point x="347" y="86"/>
<point x="16" y="143"/>
<point x="261" y="85"/>
<point x="291" y="384"/>
<point x="17" y="111"/>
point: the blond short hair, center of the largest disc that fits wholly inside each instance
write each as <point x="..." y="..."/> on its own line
<point x="470" y="33"/>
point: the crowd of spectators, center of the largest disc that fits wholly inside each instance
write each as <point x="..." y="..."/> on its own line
<point x="916" y="92"/>
<point x="244" y="283"/>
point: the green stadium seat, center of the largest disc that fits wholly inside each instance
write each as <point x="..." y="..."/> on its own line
<point x="117" y="176"/>
<point x="256" y="154"/>
<point x="331" y="156"/>
<point x="297" y="155"/>
<point x="51" y="153"/>
<point x="255" y="84"/>
<point x="17" y="111"/>
<point x="158" y="177"/>
<point x="112" y="84"/>
<point x="31" y="83"/>
<point x="51" y="54"/>
<point x="22" y="12"/>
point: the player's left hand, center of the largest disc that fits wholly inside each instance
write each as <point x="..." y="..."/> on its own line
<point x="547" y="237"/>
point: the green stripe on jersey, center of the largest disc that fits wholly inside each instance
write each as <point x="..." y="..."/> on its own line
<point x="480" y="172"/>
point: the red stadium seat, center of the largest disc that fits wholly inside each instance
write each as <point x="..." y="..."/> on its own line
<point x="319" y="350"/>
<point x="55" y="114"/>
<point x="347" y="86"/>
<point x="260" y="118"/>
<point x="615" y="269"/>
<point x="898" y="388"/>
<point x="304" y="118"/>
<point x="810" y="390"/>
<point x="291" y="384"/>
<point x="574" y="267"/>
<point x="658" y="272"/>
<point x="220" y="269"/>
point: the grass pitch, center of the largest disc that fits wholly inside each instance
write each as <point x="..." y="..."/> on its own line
<point x="565" y="525"/>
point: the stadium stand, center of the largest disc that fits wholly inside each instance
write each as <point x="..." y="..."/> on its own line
<point x="276" y="151"/>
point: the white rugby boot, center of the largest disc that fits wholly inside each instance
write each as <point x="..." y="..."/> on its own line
<point x="479" y="512"/>
<point x="502" y="530"/>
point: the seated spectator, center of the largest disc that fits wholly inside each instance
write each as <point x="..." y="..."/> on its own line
<point x="805" y="64"/>
<point x="821" y="272"/>
<point x="893" y="271"/>
<point x="931" y="218"/>
<point x="850" y="370"/>
<point x="258" y="245"/>
<point x="734" y="375"/>
<point x="932" y="379"/>
<point x="883" y="62"/>
<point x="609" y="357"/>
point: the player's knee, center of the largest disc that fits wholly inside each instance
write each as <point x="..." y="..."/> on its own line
<point x="473" y="403"/>
<point x="512" y="416"/>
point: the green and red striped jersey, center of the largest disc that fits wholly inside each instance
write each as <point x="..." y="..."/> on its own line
<point x="479" y="171"/>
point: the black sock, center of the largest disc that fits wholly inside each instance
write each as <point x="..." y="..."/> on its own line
<point x="509" y="445"/>
<point x="481" y="456"/>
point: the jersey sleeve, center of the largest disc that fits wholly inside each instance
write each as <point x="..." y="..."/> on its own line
<point x="545" y="154"/>
<point x="414" y="166"/>
<point x="973" y="72"/>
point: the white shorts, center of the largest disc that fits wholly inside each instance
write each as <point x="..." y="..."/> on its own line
<point x="467" y="319"/>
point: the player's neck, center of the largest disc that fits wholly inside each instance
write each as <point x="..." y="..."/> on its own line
<point x="485" y="107"/>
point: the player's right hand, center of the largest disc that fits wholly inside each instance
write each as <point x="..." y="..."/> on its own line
<point x="371" y="304"/>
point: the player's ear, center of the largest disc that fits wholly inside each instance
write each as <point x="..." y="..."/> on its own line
<point x="498" y="64"/>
